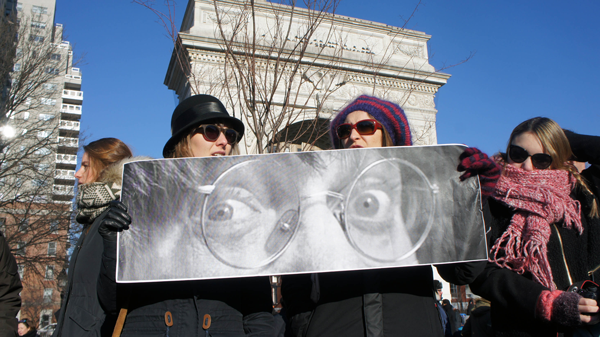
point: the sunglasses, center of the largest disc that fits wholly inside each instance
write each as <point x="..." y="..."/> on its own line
<point x="211" y="133"/>
<point x="366" y="127"/>
<point x="540" y="161"/>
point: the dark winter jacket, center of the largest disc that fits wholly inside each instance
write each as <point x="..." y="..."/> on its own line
<point x="236" y="306"/>
<point x="80" y="313"/>
<point x="513" y="296"/>
<point x="385" y="302"/>
<point x="479" y="323"/>
<point x="453" y="317"/>
<point x="10" y="287"/>
<point x="444" y="319"/>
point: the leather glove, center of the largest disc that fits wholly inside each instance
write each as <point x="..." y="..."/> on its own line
<point x="116" y="220"/>
<point x="474" y="162"/>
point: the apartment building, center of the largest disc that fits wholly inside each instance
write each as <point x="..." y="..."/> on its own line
<point x="40" y="112"/>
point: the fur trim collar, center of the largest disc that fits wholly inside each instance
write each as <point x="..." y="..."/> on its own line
<point x="114" y="173"/>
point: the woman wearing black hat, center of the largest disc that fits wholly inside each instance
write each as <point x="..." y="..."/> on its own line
<point x="200" y="127"/>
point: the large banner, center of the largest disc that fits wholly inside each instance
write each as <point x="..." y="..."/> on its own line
<point x="220" y="217"/>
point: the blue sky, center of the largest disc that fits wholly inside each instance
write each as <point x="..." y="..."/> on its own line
<point x="532" y="58"/>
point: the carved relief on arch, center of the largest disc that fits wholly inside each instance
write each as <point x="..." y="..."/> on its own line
<point x="412" y="51"/>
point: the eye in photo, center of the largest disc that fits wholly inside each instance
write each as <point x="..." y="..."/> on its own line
<point x="200" y="218"/>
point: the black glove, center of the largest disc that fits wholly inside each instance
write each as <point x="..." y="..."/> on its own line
<point x="116" y="220"/>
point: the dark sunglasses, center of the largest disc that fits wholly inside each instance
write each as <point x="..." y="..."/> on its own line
<point x="540" y="161"/>
<point x="366" y="127"/>
<point x="211" y="133"/>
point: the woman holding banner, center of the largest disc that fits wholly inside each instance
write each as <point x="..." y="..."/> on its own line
<point x="99" y="179"/>
<point x="544" y="234"/>
<point x="383" y="302"/>
<point x="201" y="127"/>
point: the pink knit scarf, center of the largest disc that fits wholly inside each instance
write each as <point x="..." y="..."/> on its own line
<point x="539" y="198"/>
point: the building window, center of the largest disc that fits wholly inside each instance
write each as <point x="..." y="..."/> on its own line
<point x="52" y="248"/>
<point x="49" y="273"/>
<point x="42" y="168"/>
<point x="3" y="226"/>
<point x="19" y="6"/>
<point x="25" y="115"/>
<point x="43" y="134"/>
<point x="45" y="316"/>
<point x="55" y="57"/>
<point x="17" y="67"/>
<point x="20" y="248"/>
<point x="52" y="70"/>
<point x="39" y="182"/>
<point x="43" y="151"/>
<point x="21" y="270"/>
<point x="50" y="86"/>
<point x="24" y="226"/>
<point x="39" y="10"/>
<point x="36" y="38"/>
<point x="48" y="295"/>
<point x="38" y="25"/>
<point x="45" y="117"/>
<point x="54" y="226"/>
<point x="48" y="101"/>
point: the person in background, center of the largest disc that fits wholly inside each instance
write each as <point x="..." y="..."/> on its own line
<point x="479" y="323"/>
<point x="99" y="183"/>
<point x="446" y="326"/>
<point x="26" y="330"/>
<point x="10" y="288"/>
<point x="383" y="302"/>
<point x="201" y="127"/>
<point x="544" y="233"/>
<point x="453" y="316"/>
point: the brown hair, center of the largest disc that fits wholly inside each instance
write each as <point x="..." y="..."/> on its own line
<point x="105" y="152"/>
<point x="386" y="139"/>
<point x="183" y="149"/>
<point x="555" y="143"/>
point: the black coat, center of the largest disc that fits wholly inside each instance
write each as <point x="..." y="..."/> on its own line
<point x="237" y="306"/>
<point x="513" y="296"/>
<point x="10" y="287"/>
<point x="81" y="313"/>
<point x="479" y="323"/>
<point x="385" y="302"/>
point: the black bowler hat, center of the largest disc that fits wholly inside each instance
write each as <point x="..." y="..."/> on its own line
<point x="196" y="110"/>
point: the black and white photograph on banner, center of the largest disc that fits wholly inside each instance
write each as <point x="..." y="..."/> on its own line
<point x="304" y="212"/>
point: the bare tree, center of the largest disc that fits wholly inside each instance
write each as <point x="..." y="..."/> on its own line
<point x="35" y="187"/>
<point x="284" y="67"/>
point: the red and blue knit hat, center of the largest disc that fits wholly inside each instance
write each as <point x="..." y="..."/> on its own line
<point x="389" y="114"/>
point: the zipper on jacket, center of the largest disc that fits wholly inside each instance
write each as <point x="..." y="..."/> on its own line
<point x="562" y="250"/>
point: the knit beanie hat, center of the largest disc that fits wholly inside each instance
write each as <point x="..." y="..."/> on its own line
<point x="389" y="114"/>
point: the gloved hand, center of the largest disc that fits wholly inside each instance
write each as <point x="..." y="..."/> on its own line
<point x="474" y="162"/>
<point x="561" y="307"/>
<point x="116" y="220"/>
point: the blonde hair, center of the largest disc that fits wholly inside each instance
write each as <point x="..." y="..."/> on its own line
<point x="555" y="143"/>
<point x="183" y="148"/>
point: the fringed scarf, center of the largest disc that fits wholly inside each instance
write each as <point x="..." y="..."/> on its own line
<point x="540" y="198"/>
<point x="93" y="199"/>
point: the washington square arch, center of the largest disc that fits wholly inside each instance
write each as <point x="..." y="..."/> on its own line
<point x="284" y="71"/>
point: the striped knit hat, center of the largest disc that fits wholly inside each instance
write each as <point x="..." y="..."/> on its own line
<point x="389" y="114"/>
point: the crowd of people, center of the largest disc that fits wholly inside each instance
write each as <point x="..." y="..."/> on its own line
<point x="540" y="206"/>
